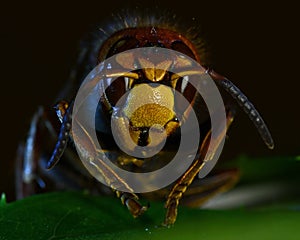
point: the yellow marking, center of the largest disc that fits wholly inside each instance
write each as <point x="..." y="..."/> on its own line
<point x="126" y="60"/>
<point x="144" y="63"/>
<point x="182" y="62"/>
<point x="171" y="127"/>
<point x="143" y="94"/>
<point x="186" y="73"/>
<point x="128" y="82"/>
<point x="147" y="106"/>
<point x="123" y="74"/>
<point x="154" y="72"/>
<point x="173" y="83"/>
<point x="151" y="114"/>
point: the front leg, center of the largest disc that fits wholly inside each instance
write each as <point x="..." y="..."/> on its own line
<point x="28" y="159"/>
<point x="130" y="200"/>
<point x="185" y="181"/>
<point x="89" y="152"/>
<point x="65" y="116"/>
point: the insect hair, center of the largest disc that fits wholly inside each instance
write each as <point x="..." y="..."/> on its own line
<point x="133" y="18"/>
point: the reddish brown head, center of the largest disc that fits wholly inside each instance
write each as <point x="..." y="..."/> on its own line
<point x="130" y="38"/>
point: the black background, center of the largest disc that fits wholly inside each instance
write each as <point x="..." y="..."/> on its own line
<point x="254" y="43"/>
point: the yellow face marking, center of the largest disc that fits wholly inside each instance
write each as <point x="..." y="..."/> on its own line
<point x="154" y="72"/>
<point x="182" y="62"/>
<point x="143" y="96"/>
<point x="150" y="115"/>
<point x="151" y="107"/>
<point x="122" y="74"/>
<point x="126" y="60"/>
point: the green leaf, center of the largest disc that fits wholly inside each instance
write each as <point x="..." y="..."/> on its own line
<point x="2" y="199"/>
<point x="75" y="215"/>
<point x="72" y="215"/>
<point x="261" y="169"/>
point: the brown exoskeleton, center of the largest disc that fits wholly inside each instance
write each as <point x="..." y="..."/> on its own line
<point x="35" y="157"/>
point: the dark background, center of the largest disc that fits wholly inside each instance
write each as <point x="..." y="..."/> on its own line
<point x="254" y="43"/>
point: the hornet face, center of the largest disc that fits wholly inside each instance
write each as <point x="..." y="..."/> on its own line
<point x="141" y="110"/>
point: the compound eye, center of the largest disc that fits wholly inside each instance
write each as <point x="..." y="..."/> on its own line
<point x="183" y="48"/>
<point x="114" y="90"/>
<point x="122" y="45"/>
